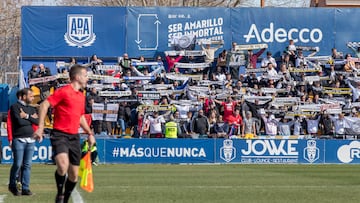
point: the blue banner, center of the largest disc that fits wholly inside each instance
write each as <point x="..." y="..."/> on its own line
<point x="159" y="151"/>
<point x="342" y="151"/>
<point x="256" y="151"/>
<point x="149" y="31"/>
<point x="270" y="151"/>
<point x="347" y="29"/>
<point x="276" y="26"/>
<point x="42" y="152"/>
<point x="154" y="28"/>
<point x="72" y="31"/>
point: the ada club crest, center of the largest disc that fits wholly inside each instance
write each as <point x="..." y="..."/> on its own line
<point x="311" y="152"/>
<point x="79" y="30"/>
<point x="227" y="151"/>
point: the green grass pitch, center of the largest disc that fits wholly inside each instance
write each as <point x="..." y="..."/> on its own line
<point x="202" y="183"/>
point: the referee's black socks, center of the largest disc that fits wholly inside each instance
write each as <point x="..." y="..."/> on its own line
<point x="60" y="180"/>
<point x="69" y="187"/>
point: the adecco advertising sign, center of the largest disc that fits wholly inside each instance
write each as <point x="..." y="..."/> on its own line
<point x="276" y="26"/>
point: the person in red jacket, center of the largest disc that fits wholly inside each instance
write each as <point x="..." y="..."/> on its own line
<point x="235" y="121"/>
<point x="171" y="63"/>
<point x="229" y="107"/>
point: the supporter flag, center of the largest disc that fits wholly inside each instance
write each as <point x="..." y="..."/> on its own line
<point x="22" y="83"/>
<point x="184" y="42"/>
<point x="85" y="172"/>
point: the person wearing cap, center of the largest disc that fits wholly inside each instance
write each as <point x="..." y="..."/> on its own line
<point x="268" y="59"/>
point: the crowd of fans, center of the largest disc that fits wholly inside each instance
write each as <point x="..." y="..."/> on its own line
<point x="223" y="100"/>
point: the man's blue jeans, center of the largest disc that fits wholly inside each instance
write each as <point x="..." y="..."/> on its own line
<point x="122" y="125"/>
<point x="23" y="153"/>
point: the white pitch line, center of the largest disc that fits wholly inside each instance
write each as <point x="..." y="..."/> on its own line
<point x="2" y="197"/>
<point x="76" y="197"/>
<point x="234" y="187"/>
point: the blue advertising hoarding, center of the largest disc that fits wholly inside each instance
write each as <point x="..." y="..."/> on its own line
<point x="343" y="151"/>
<point x="148" y="31"/>
<point x="276" y="26"/>
<point x="72" y="31"/>
<point x="159" y="151"/>
<point x="238" y="151"/>
<point x="269" y="151"/>
<point x="347" y="29"/>
<point x="42" y="152"/>
<point x="151" y="29"/>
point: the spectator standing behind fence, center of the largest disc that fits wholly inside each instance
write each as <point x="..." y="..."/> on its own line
<point x="268" y="59"/>
<point x="200" y="125"/>
<point x="209" y="52"/>
<point x="327" y="125"/>
<point x="33" y="72"/>
<point x="340" y="124"/>
<point x="313" y="124"/>
<point x="156" y="122"/>
<point x="23" y="116"/>
<point x="171" y="60"/>
<point x="270" y="124"/>
<point x="253" y="57"/>
<point x="95" y="61"/>
<point x="93" y="95"/>
<point x="355" y="90"/>
<point x="284" y="126"/>
<point x="44" y="87"/>
<point x="235" y="122"/>
<point x="222" y="61"/>
<point x="123" y="112"/>
<point x="171" y="129"/>
<point x="125" y="63"/>
<point x="248" y="127"/>
<point x="142" y="126"/>
<point x="229" y="107"/>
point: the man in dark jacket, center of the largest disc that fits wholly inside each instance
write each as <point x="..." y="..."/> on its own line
<point x="33" y="72"/>
<point x="23" y="116"/>
<point x="200" y="125"/>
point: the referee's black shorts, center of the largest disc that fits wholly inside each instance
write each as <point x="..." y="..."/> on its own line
<point x="66" y="143"/>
